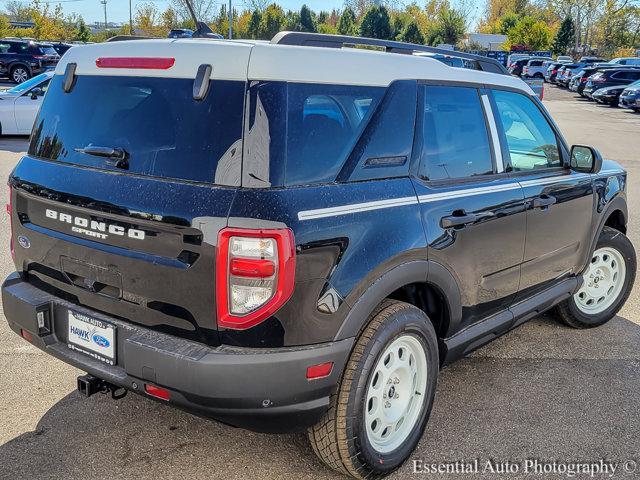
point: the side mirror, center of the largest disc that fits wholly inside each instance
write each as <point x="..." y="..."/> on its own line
<point x="585" y="159"/>
<point x="36" y="92"/>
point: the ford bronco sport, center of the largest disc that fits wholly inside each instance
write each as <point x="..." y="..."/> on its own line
<point x="297" y="235"/>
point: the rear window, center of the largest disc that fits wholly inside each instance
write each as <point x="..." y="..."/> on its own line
<point x="156" y="121"/>
<point x="46" y="50"/>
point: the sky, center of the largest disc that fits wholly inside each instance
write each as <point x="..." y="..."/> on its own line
<point x="118" y="10"/>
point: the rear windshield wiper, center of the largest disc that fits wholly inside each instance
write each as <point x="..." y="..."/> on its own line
<point x="119" y="158"/>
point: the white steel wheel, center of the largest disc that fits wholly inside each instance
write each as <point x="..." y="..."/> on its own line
<point x="603" y="281"/>
<point x="395" y="393"/>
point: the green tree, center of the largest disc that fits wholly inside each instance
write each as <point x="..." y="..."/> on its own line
<point x="347" y="23"/>
<point x="397" y="26"/>
<point x="376" y="23"/>
<point x="292" y="21"/>
<point x="449" y="27"/>
<point x="412" y="34"/>
<point x="253" y="29"/>
<point x="307" y="22"/>
<point x="534" y="34"/>
<point x="507" y="22"/>
<point x="83" y="34"/>
<point x="273" y="19"/>
<point x="565" y="38"/>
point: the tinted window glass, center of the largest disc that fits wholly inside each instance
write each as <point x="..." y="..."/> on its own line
<point x="531" y="142"/>
<point x="385" y="147"/>
<point x="302" y="133"/>
<point x="324" y="122"/>
<point x="156" y="121"/>
<point x="44" y="50"/>
<point x="455" y="139"/>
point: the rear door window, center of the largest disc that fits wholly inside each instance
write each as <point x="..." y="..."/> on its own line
<point x="455" y="140"/>
<point x="163" y="130"/>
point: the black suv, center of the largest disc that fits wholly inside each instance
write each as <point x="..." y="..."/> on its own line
<point x="22" y="59"/>
<point x="611" y="78"/>
<point x="301" y="237"/>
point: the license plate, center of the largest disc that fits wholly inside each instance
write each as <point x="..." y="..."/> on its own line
<point x="92" y="337"/>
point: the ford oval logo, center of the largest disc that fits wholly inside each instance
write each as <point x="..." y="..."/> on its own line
<point x="24" y="242"/>
<point x="100" y="341"/>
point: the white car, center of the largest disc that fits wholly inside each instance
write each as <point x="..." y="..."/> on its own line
<point x="19" y="105"/>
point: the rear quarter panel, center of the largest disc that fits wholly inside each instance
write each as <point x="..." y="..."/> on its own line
<point x="338" y="252"/>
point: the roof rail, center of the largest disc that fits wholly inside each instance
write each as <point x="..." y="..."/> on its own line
<point x="122" y="38"/>
<point x="339" y="41"/>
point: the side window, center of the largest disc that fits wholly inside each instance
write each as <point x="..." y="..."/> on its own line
<point x="323" y="125"/>
<point x="455" y="141"/>
<point x="4" y="47"/>
<point x="531" y="142"/>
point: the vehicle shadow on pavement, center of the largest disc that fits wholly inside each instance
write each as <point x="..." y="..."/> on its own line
<point x="102" y="438"/>
<point x="543" y="391"/>
<point x="14" y="144"/>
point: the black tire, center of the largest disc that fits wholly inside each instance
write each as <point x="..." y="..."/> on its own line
<point x="569" y="312"/>
<point x="13" y="74"/>
<point x="340" y="438"/>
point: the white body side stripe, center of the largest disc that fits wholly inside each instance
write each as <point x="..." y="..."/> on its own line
<point x="356" y="208"/>
<point x="431" y="197"/>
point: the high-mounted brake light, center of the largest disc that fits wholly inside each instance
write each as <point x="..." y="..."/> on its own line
<point x="153" y="63"/>
<point x="255" y="273"/>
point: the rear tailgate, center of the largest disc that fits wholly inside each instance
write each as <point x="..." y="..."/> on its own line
<point x="137" y="242"/>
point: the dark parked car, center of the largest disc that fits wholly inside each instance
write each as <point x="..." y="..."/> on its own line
<point x="630" y="96"/>
<point x="611" y="78"/>
<point x="552" y="71"/>
<point x="608" y="95"/>
<point x="579" y="80"/>
<point x="180" y="33"/>
<point x="517" y="66"/>
<point x="22" y="59"/>
<point x="61" y="47"/>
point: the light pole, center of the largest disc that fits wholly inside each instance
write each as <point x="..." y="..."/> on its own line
<point x="130" y="20"/>
<point x="104" y="4"/>
<point x="230" y="20"/>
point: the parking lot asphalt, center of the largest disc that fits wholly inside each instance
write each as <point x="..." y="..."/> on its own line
<point x="542" y="392"/>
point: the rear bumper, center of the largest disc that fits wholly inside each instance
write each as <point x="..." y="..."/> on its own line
<point x="258" y="389"/>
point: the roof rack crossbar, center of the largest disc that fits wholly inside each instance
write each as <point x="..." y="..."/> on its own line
<point x="339" y="41"/>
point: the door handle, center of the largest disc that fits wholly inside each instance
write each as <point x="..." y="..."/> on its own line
<point x="544" y="201"/>
<point x="462" y="218"/>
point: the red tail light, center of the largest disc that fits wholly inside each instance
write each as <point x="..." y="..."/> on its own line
<point x="255" y="274"/>
<point x="9" y="209"/>
<point x="154" y="63"/>
<point x="554" y="72"/>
